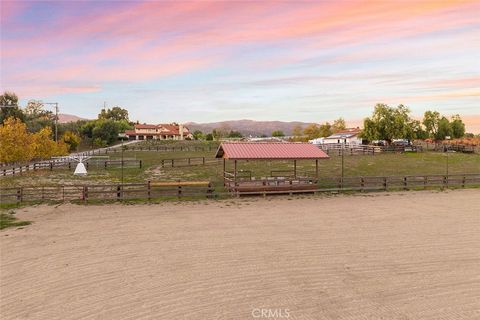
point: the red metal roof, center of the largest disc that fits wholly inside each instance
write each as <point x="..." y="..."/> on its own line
<point x="272" y="150"/>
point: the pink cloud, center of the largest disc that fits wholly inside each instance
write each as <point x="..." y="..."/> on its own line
<point x="149" y="40"/>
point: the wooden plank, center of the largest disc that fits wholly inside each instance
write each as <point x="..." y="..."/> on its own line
<point x="179" y="183"/>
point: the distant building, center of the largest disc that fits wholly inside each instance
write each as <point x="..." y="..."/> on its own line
<point x="159" y="132"/>
<point x="349" y="136"/>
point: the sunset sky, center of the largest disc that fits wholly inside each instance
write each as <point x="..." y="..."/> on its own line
<point x="266" y="60"/>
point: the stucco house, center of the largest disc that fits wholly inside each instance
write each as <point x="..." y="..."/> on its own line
<point x="171" y="131"/>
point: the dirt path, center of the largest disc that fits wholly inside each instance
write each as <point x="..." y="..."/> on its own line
<point x="412" y="255"/>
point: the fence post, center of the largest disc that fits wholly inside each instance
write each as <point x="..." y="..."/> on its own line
<point x="445" y="181"/>
<point x="179" y="191"/>
<point x="209" y="190"/>
<point x="362" y="183"/>
<point x="405" y="187"/>
<point x="149" y="190"/>
<point x="188" y="161"/>
<point x="105" y="164"/>
<point x="163" y="163"/>
<point x="425" y="182"/>
<point x="19" y="195"/>
<point x="118" y="192"/>
<point x="140" y="163"/>
<point x="51" y="166"/>
<point x="385" y="183"/>
<point x="203" y="160"/>
<point x="463" y="181"/>
<point x="85" y="194"/>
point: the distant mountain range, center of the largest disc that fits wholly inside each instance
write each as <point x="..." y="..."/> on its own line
<point x="64" y="118"/>
<point x="248" y="127"/>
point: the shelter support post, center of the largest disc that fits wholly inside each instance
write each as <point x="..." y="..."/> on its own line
<point x="235" y="173"/>
<point x="295" y="169"/>
<point x="316" y="169"/>
<point x="224" y="171"/>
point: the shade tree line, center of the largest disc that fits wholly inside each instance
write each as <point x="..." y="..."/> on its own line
<point x="99" y="132"/>
<point x="388" y="123"/>
<point x="20" y="145"/>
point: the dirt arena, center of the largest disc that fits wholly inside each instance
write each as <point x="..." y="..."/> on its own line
<point x="412" y="255"/>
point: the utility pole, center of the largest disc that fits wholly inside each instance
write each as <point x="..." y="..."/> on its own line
<point x="446" y="151"/>
<point x="122" y="163"/>
<point x="56" y="121"/>
<point x="343" y="151"/>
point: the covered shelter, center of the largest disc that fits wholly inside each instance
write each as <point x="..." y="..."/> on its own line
<point x="276" y="151"/>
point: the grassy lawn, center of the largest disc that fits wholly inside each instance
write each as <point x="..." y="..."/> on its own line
<point x="8" y="220"/>
<point x="359" y="165"/>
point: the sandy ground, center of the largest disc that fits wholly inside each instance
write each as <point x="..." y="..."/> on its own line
<point x="413" y="255"/>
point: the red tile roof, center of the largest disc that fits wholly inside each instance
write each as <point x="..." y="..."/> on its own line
<point x="165" y="129"/>
<point x="145" y="126"/>
<point x="272" y="150"/>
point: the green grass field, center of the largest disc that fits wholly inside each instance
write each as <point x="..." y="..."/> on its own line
<point x="8" y="220"/>
<point x="358" y="165"/>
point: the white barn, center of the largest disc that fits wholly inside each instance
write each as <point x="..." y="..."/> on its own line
<point x="349" y="136"/>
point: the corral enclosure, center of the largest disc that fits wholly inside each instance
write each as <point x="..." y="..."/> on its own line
<point x="400" y="255"/>
<point x="194" y="161"/>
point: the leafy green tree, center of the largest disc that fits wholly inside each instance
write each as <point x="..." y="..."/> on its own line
<point x="326" y="130"/>
<point x="116" y="113"/>
<point x="297" y="131"/>
<point x="312" y="131"/>
<point x="72" y="140"/>
<point x="278" y="133"/>
<point x="431" y="121"/>
<point x="209" y="137"/>
<point x="388" y="123"/>
<point x="457" y="127"/>
<point x="417" y="131"/>
<point x="198" y="135"/>
<point x="99" y="143"/>
<point x="338" y="125"/>
<point x="235" y="134"/>
<point x="10" y="108"/>
<point x="36" y="118"/>
<point x="106" y="130"/>
<point x="444" y="130"/>
<point x="219" y="133"/>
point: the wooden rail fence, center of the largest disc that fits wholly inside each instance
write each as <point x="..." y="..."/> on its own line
<point x="4" y="171"/>
<point x="166" y="148"/>
<point x="353" y="149"/>
<point x="203" y="189"/>
<point x="148" y="190"/>
<point x="187" y="162"/>
<point x="286" y="184"/>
